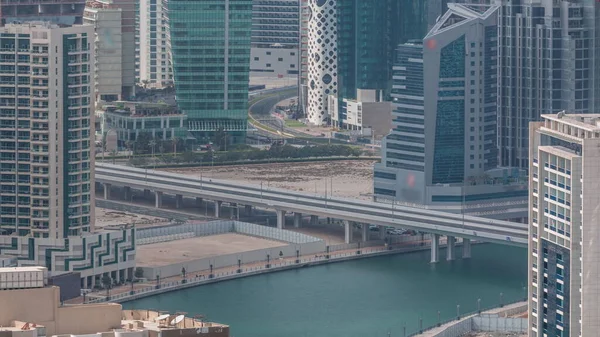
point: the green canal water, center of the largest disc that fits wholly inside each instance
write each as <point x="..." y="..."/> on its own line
<point x="360" y="298"/>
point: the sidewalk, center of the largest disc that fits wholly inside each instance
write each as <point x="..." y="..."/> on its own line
<point x="196" y="278"/>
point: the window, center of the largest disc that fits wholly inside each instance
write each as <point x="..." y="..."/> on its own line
<point x="280" y="59"/>
<point x="256" y="59"/>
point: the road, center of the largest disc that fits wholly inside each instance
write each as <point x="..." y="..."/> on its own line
<point x="366" y="212"/>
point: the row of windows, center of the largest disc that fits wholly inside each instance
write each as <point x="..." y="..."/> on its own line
<point x="479" y="197"/>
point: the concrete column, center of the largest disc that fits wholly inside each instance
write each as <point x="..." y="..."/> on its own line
<point x="466" y="248"/>
<point x="158" y="199"/>
<point x="280" y="219"/>
<point x="450" y="250"/>
<point x="218" y="208"/>
<point x="198" y="202"/>
<point x="248" y="210"/>
<point x="435" y="248"/>
<point x="297" y="220"/>
<point x="178" y="201"/>
<point x="127" y="193"/>
<point x="232" y="210"/>
<point x="107" y="191"/>
<point x="382" y="233"/>
<point x="314" y="220"/>
<point x="349" y="229"/>
<point x="365" y="232"/>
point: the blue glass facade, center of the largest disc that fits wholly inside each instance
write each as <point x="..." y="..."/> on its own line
<point x="210" y="46"/>
<point x="449" y="153"/>
<point x="556" y="299"/>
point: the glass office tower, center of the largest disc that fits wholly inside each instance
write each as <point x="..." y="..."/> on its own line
<point x="548" y="62"/>
<point x="210" y="46"/>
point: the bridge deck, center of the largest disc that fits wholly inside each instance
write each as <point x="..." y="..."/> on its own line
<point x="340" y="208"/>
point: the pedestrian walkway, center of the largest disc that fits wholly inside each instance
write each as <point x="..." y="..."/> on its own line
<point x="247" y="269"/>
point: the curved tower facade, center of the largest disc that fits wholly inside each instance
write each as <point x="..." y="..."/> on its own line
<point x="322" y="58"/>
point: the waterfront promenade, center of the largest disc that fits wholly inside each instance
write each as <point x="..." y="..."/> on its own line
<point x="133" y="291"/>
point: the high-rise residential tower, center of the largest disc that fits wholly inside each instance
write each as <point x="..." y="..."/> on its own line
<point x="46" y="155"/>
<point x="210" y="47"/>
<point x="563" y="234"/>
<point x="548" y="61"/>
<point x="154" y="54"/>
<point x="442" y="148"/>
<point x="46" y="119"/>
<point x="113" y="21"/>
<point x="275" y="38"/>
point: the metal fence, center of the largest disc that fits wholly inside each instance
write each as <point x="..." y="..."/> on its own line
<point x="273" y="265"/>
<point x="476" y="321"/>
<point x="192" y="229"/>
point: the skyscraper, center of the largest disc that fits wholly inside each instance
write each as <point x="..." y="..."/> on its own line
<point x="548" y="62"/>
<point x="322" y="58"/>
<point x="155" y="56"/>
<point x="563" y="243"/>
<point x="275" y="38"/>
<point x="442" y="148"/>
<point x="210" y="46"/>
<point x="357" y="48"/>
<point x="47" y="130"/>
<point x="67" y="12"/>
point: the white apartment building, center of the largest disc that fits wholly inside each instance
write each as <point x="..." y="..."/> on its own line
<point x="108" y="46"/>
<point x="564" y="179"/>
<point x="46" y="121"/>
<point x="46" y="154"/>
<point x="114" y="22"/>
<point x="155" y="55"/>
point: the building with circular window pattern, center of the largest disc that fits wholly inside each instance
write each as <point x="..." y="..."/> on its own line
<point x="322" y="58"/>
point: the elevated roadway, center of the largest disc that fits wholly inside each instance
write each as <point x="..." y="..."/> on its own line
<point x="350" y="210"/>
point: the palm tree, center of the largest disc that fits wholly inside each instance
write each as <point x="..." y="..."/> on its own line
<point x="128" y="145"/>
<point x="107" y="282"/>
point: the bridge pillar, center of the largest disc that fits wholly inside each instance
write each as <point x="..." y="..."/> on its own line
<point x="466" y="249"/>
<point x="158" y="199"/>
<point x="178" y="201"/>
<point x="450" y="250"/>
<point x="435" y="248"/>
<point x="218" y="208"/>
<point x="280" y="219"/>
<point x="127" y="193"/>
<point x="382" y="232"/>
<point x="314" y="220"/>
<point x="107" y="187"/>
<point x="349" y="230"/>
<point x="198" y="202"/>
<point x="297" y="220"/>
<point x="248" y="210"/>
<point x="364" y="232"/>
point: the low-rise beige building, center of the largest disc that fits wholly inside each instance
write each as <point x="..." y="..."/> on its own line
<point x="37" y="312"/>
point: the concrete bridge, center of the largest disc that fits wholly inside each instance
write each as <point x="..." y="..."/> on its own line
<point x="284" y="201"/>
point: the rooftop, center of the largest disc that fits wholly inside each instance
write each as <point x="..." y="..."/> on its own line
<point x="160" y="321"/>
<point x="588" y="122"/>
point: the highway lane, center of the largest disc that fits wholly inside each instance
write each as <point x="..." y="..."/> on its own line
<point x="345" y="209"/>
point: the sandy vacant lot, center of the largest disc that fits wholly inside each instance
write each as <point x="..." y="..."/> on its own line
<point x="166" y="253"/>
<point x="351" y="178"/>
<point x="108" y="217"/>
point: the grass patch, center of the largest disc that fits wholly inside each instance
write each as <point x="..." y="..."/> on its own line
<point x="292" y="123"/>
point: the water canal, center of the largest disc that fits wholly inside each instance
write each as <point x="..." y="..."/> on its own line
<point x="361" y="298"/>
